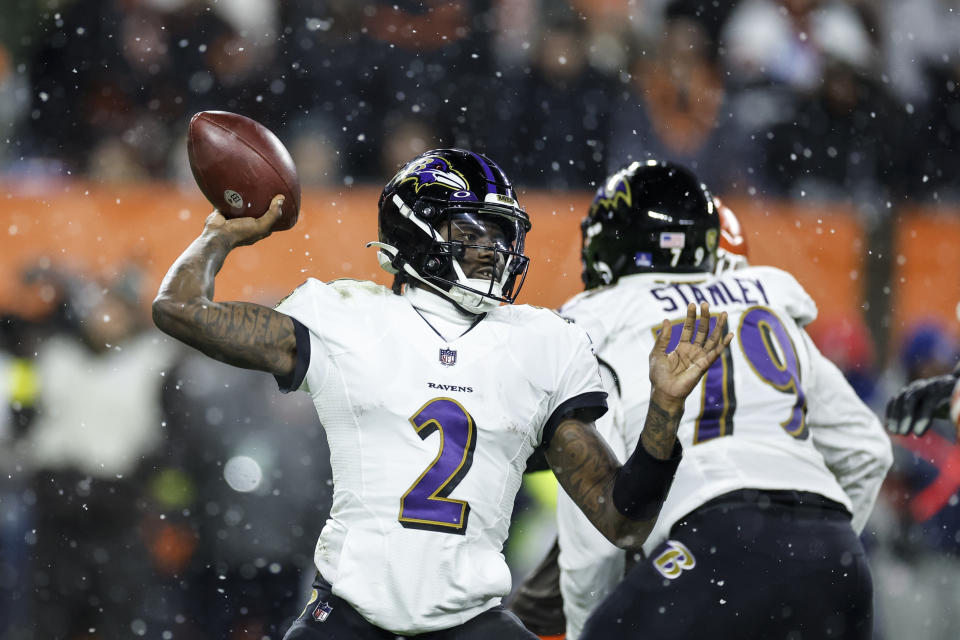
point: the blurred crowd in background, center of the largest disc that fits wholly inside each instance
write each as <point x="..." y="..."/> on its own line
<point x="812" y="98"/>
<point x="189" y="505"/>
<point x="147" y="491"/>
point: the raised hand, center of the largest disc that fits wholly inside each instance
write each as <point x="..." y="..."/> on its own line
<point x="675" y="374"/>
<point x="238" y="232"/>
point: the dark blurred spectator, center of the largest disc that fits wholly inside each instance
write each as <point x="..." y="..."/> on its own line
<point x="18" y="396"/>
<point x="711" y="15"/>
<point x="775" y="53"/>
<point x="357" y="68"/>
<point x="565" y="114"/>
<point x="928" y="350"/>
<point x="235" y="497"/>
<point x="98" y="414"/>
<point x="675" y="108"/>
<point x="787" y="41"/>
<point x="120" y="73"/>
<point x="920" y="558"/>
<point x="841" y="141"/>
<point x="407" y="138"/>
<point x="935" y="125"/>
<point x="333" y="77"/>
<point x="14" y="101"/>
<point x="916" y="34"/>
<point x="164" y="493"/>
<point x="514" y="23"/>
<point x="316" y="153"/>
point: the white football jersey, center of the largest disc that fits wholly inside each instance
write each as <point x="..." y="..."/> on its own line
<point x="428" y="441"/>
<point x="590" y="565"/>
<point x="771" y="413"/>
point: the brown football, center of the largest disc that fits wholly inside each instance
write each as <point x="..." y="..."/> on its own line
<point x="240" y="165"/>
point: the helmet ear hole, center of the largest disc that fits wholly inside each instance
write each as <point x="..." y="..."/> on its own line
<point x="433" y="265"/>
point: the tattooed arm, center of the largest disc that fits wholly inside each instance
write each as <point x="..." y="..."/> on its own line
<point x="239" y="333"/>
<point x="623" y="502"/>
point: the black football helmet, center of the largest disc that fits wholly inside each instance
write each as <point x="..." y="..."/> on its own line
<point x="442" y="204"/>
<point x="649" y="217"/>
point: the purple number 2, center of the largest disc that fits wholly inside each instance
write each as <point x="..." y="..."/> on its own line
<point x="770" y="352"/>
<point x="426" y="504"/>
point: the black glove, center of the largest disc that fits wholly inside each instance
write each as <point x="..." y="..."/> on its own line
<point x="918" y="403"/>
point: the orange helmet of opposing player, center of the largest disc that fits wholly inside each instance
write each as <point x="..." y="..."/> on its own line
<point x="732" y="249"/>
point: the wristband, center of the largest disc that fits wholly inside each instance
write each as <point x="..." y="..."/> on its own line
<point x="643" y="482"/>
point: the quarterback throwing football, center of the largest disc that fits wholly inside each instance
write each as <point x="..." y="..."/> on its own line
<point x="433" y="395"/>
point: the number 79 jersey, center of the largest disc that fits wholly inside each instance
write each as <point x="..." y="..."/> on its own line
<point x="771" y="413"/>
<point x="428" y="442"/>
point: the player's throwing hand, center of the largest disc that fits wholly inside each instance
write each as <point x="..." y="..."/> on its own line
<point x="238" y="232"/>
<point x="675" y="374"/>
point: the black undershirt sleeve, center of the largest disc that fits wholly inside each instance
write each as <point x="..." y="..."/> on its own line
<point x="587" y="407"/>
<point x="293" y="381"/>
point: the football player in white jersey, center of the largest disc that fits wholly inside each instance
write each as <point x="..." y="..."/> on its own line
<point x="758" y="537"/>
<point x="593" y="565"/>
<point x="433" y="396"/>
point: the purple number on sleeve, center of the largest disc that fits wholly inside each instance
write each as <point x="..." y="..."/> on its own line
<point x="772" y="356"/>
<point x="426" y="504"/>
<point x="718" y="400"/>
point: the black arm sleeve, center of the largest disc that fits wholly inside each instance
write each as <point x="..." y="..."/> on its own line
<point x="643" y="482"/>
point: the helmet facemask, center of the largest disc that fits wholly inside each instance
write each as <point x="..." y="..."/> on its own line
<point x="480" y="259"/>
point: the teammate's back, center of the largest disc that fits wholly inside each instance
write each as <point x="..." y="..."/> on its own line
<point x="753" y="423"/>
<point x="781" y="461"/>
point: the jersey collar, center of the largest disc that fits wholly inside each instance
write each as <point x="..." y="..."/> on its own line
<point x="665" y="278"/>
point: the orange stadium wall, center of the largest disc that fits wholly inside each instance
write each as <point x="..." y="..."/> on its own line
<point x="926" y="273"/>
<point x="96" y="229"/>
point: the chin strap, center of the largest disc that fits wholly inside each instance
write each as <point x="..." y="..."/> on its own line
<point x="466" y="300"/>
<point x="386" y="254"/>
<point x="469" y="301"/>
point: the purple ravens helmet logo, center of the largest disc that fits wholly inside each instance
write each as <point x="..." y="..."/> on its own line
<point x="615" y="189"/>
<point x="430" y="170"/>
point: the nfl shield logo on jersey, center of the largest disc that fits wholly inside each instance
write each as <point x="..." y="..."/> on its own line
<point x="322" y="612"/>
<point x="448" y="357"/>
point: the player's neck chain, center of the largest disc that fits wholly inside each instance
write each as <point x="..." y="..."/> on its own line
<point x="473" y="324"/>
